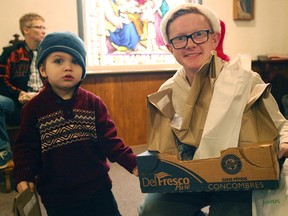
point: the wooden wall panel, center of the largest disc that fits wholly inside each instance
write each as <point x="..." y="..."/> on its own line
<point x="134" y="92"/>
<point x="109" y="89"/>
<point x="125" y="96"/>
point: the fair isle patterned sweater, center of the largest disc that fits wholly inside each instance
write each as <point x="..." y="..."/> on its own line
<point x="65" y="144"/>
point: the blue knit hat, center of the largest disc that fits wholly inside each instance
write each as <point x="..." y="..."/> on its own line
<point x="67" y="42"/>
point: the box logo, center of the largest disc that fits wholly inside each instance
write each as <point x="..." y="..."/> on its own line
<point x="163" y="179"/>
<point x="231" y="164"/>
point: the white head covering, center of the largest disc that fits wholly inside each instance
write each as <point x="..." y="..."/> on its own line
<point x="211" y="15"/>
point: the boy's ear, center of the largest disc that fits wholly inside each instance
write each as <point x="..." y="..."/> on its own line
<point x="170" y="48"/>
<point x="25" y="30"/>
<point x="42" y="70"/>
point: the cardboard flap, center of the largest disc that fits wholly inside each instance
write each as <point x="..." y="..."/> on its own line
<point x="266" y="154"/>
<point x="150" y="164"/>
<point x="162" y="100"/>
<point x="264" y="150"/>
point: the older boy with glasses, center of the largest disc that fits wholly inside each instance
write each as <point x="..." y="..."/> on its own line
<point x="210" y="93"/>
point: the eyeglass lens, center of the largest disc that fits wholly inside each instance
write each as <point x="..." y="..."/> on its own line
<point x="38" y="27"/>
<point x="198" y="37"/>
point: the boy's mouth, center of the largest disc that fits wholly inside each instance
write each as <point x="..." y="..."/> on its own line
<point x="68" y="76"/>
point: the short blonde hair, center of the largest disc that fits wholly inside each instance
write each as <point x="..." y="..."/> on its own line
<point x="26" y="20"/>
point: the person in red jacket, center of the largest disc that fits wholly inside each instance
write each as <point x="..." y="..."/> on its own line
<point x="66" y="136"/>
<point x="19" y="78"/>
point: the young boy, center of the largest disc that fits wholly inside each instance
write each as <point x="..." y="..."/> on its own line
<point x="66" y="136"/>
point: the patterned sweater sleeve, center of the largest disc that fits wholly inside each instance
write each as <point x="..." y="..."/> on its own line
<point x="112" y="145"/>
<point x="27" y="148"/>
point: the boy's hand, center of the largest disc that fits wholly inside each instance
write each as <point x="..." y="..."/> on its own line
<point x="24" y="97"/>
<point x="135" y="171"/>
<point x="283" y="150"/>
<point x="22" y="186"/>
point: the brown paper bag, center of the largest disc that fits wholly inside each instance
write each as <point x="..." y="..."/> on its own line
<point x="165" y="131"/>
<point x="160" y="113"/>
<point x="164" y="126"/>
<point x="27" y="204"/>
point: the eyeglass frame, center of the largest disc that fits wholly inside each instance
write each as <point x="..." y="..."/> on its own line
<point x="37" y="27"/>
<point x="190" y="36"/>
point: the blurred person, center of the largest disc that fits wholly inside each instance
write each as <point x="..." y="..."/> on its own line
<point x="19" y="78"/>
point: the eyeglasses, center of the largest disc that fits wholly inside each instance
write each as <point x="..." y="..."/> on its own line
<point x="198" y="37"/>
<point x="37" y="27"/>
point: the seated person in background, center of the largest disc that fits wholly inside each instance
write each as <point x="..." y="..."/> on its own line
<point x="66" y="137"/>
<point x="209" y="95"/>
<point x="19" y="78"/>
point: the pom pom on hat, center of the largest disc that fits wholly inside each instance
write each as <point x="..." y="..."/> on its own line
<point x="219" y="48"/>
<point x="67" y="42"/>
<point x="211" y="15"/>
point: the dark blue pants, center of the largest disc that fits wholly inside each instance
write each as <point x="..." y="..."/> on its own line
<point x="9" y="113"/>
<point x="232" y="203"/>
<point x="101" y="203"/>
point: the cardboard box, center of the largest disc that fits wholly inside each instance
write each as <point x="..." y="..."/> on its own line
<point x="253" y="167"/>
